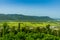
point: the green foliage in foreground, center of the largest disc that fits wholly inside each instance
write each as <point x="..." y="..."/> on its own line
<point x="28" y="34"/>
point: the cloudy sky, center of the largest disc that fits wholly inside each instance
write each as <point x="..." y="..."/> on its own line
<point x="31" y="7"/>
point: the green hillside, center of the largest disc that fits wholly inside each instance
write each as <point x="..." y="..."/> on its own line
<point x="23" y="17"/>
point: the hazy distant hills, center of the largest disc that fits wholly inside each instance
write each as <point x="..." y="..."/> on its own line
<point x="57" y="19"/>
<point x="24" y="17"/>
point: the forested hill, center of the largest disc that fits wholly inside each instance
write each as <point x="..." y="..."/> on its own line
<point x="20" y="17"/>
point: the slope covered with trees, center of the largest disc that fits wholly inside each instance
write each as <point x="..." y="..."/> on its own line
<point x="24" y="17"/>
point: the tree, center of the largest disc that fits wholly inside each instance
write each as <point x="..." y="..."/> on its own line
<point x="48" y="28"/>
<point x="18" y="27"/>
<point x="38" y="29"/>
<point x="4" y="28"/>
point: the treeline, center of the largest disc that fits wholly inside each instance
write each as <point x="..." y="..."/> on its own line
<point x="28" y="33"/>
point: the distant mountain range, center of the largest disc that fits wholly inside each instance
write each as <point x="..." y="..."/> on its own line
<point x="57" y="19"/>
<point x="20" y="17"/>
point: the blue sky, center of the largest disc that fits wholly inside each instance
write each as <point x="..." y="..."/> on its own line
<point x="49" y="8"/>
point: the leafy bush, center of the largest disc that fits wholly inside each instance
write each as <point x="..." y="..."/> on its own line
<point x="27" y="34"/>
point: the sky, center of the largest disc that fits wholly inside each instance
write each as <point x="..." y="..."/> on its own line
<point x="49" y="8"/>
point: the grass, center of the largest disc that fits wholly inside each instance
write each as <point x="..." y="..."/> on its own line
<point x="30" y="24"/>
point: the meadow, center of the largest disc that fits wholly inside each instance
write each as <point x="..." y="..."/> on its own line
<point x="31" y="24"/>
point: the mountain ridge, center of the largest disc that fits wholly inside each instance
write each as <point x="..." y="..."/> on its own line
<point x="21" y="17"/>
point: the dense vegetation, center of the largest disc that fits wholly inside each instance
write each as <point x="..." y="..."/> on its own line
<point x="23" y="17"/>
<point x="28" y="33"/>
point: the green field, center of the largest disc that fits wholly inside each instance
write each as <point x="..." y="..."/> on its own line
<point x="32" y="24"/>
